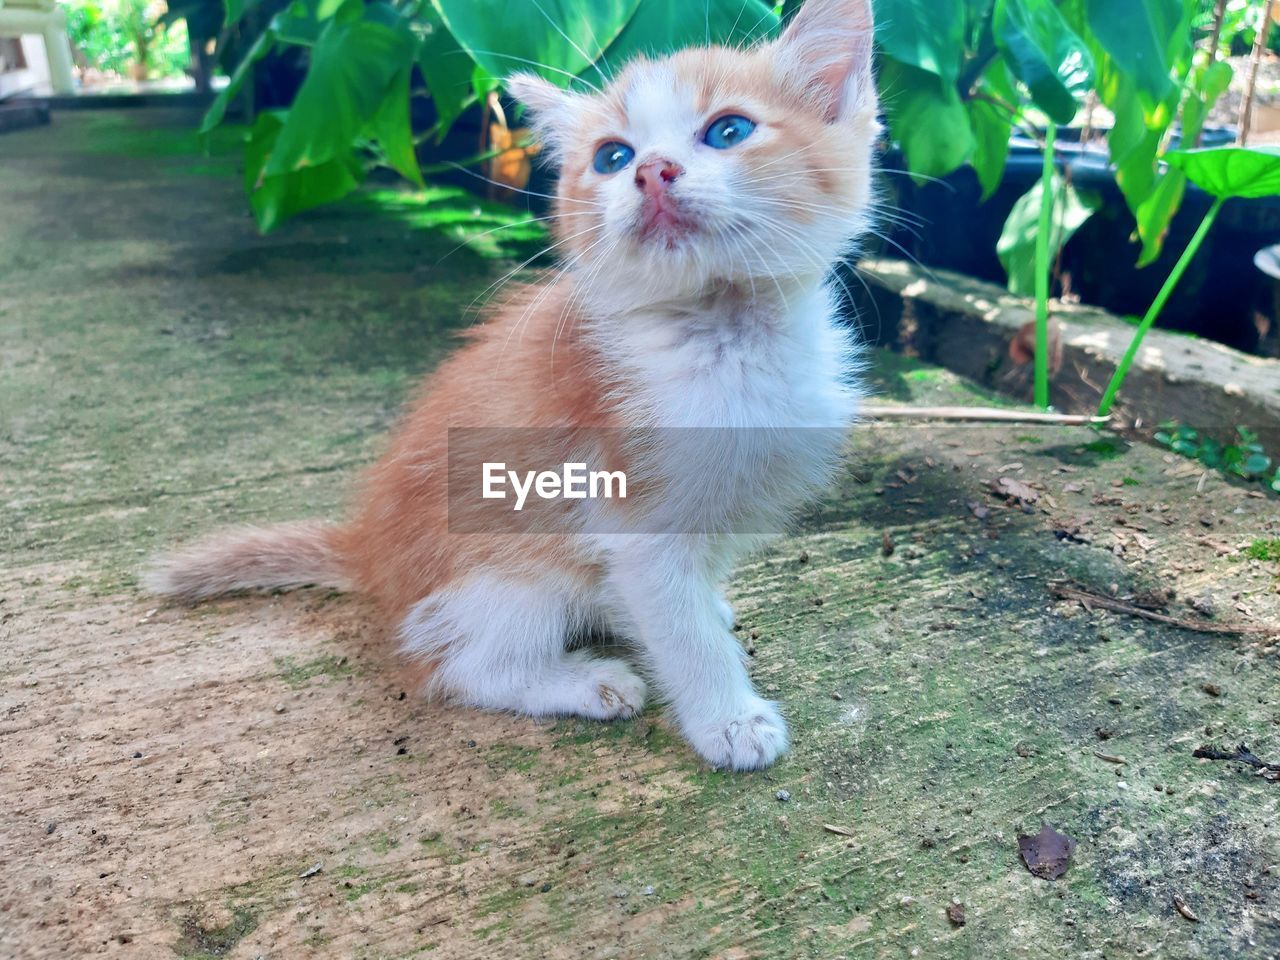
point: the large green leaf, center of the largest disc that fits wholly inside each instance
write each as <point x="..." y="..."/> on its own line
<point x="992" y="125"/>
<point x="1247" y="172"/>
<point x="275" y="198"/>
<point x="927" y="118"/>
<point x="1155" y="212"/>
<point x="1044" y="53"/>
<point x="555" y="38"/>
<point x="392" y="128"/>
<point x="660" y="26"/>
<point x="447" y="68"/>
<point x="352" y="68"/>
<point x="1017" y="246"/>
<point x="1146" y="38"/>
<point x="925" y="34"/>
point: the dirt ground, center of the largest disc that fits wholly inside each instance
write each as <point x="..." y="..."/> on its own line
<point x="249" y="779"/>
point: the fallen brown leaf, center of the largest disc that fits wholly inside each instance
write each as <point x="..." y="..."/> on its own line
<point x="1047" y="853"/>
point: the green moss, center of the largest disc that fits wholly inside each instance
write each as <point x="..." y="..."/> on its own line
<point x="198" y="942"/>
<point x="299" y="674"/>
<point x="1264" y="550"/>
<point x="512" y="756"/>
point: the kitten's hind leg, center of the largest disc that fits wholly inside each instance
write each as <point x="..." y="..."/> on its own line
<point x="501" y="646"/>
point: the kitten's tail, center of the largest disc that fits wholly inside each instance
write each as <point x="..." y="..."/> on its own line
<point x="251" y="558"/>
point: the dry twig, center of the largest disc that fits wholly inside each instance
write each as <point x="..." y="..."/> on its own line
<point x="1089" y="600"/>
<point x="976" y="415"/>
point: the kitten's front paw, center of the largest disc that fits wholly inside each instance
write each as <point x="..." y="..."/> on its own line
<point x="751" y="738"/>
<point x="610" y="690"/>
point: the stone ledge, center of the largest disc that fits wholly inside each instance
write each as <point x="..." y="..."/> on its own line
<point x="966" y="325"/>
<point x="21" y="114"/>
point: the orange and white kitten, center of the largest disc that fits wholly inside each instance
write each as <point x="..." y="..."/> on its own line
<point x="703" y="199"/>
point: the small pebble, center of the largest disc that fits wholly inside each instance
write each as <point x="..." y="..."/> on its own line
<point x="279" y="708"/>
<point x="782" y="796"/>
<point x="648" y="891"/>
<point x="50" y="827"/>
<point x="545" y="888"/>
<point x="137" y="755"/>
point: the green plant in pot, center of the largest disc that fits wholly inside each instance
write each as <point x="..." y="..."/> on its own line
<point x="1225" y="173"/>
<point x="957" y="81"/>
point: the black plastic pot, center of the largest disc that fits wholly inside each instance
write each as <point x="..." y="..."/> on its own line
<point x="1217" y="299"/>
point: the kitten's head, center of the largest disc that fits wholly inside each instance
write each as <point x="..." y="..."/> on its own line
<point x="716" y="164"/>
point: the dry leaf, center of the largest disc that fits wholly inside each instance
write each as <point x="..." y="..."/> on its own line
<point x="1047" y="853"/>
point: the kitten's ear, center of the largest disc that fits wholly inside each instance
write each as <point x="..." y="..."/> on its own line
<point x="827" y="47"/>
<point x="552" y="108"/>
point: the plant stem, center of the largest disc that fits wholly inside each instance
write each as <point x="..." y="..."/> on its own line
<point x="1259" y="45"/>
<point x="1042" y="271"/>
<point x="1215" y="38"/>
<point x="1108" y="398"/>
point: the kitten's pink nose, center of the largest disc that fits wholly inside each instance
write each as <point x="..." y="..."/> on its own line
<point x="656" y="175"/>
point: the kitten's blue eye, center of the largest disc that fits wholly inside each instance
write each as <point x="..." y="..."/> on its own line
<point x="612" y="157"/>
<point x="728" y="132"/>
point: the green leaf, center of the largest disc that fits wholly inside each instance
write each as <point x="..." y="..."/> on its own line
<point x="1017" y="245"/>
<point x="236" y="9"/>
<point x="218" y="109"/>
<point x="275" y="198"/>
<point x="448" y="69"/>
<point x="924" y="34"/>
<point x="293" y="25"/>
<point x="555" y="38"/>
<point x="1156" y="212"/>
<point x="927" y="118"/>
<point x="1256" y="464"/>
<point x="660" y="26"/>
<point x="1044" y="53"/>
<point x="1247" y="172"/>
<point x="352" y="68"/>
<point x="392" y="128"/>
<point x="1146" y="38"/>
<point x="992" y="127"/>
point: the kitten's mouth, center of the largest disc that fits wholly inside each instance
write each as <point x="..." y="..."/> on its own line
<point x="662" y="220"/>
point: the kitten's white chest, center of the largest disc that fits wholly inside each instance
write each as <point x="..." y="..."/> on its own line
<point x="750" y="412"/>
<point x="745" y="366"/>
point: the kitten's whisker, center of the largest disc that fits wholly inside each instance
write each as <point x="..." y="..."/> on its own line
<point x="566" y="268"/>
<point x="889" y="171"/>
<point x="591" y="61"/>
<point x="501" y="281"/>
<point x="527" y="193"/>
<point x="609" y="72"/>
<point x="542" y="66"/>
<point x="508" y="226"/>
<point x="578" y="297"/>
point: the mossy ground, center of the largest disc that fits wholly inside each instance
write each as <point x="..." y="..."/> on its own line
<point x="167" y="371"/>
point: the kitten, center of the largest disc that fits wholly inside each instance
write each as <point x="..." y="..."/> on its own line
<point x="702" y="202"/>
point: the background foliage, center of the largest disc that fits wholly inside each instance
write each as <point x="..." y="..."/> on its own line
<point x="111" y="35"/>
